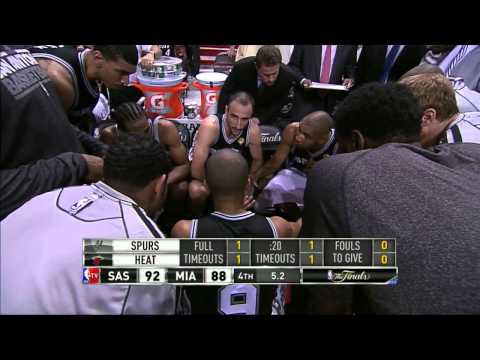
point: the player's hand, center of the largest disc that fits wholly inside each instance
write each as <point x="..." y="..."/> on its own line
<point x="348" y="83"/>
<point x="95" y="168"/>
<point x="147" y="60"/>
<point x="306" y="83"/>
<point x="248" y="199"/>
<point x="261" y="183"/>
<point x="255" y="120"/>
<point x="248" y="202"/>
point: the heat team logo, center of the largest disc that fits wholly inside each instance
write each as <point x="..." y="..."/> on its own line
<point x="91" y="275"/>
<point x="98" y="260"/>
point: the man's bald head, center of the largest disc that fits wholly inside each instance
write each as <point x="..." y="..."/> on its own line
<point x="319" y="121"/>
<point x="422" y="69"/>
<point x="227" y="173"/>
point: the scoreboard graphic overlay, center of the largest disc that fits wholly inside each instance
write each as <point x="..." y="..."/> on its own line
<point x="233" y="261"/>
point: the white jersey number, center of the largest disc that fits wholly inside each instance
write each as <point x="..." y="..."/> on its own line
<point x="238" y="300"/>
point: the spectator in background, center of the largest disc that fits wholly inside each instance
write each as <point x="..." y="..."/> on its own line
<point x="271" y="84"/>
<point x="441" y="121"/>
<point x="40" y="149"/>
<point x="329" y="64"/>
<point x="389" y="187"/>
<point x="457" y="61"/>
<point x="386" y="62"/>
<point x="468" y="66"/>
<point x="190" y="55"/>
<point x="244" y="51"/>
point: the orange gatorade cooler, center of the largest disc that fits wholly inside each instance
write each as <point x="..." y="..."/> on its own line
<point x="162" y="96"/>
<point x="210" y="84"/>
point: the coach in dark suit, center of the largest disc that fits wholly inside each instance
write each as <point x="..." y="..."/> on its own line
<point x="374" y="59"/>
<point x="332" y="64"/>
<point x="268" y="81"/>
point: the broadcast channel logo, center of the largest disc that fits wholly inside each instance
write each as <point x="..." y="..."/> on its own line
<point x="91" y="275"/>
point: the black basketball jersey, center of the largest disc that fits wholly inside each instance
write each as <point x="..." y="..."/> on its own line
<point x="235" y="299"/>
<point x="86" y="92"/>
<point x="298" y="158"/>
<point x="246" y="225"/>
<point x="239" y="143"/>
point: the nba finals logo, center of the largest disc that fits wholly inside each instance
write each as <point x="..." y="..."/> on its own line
<point x="91" y="275"/>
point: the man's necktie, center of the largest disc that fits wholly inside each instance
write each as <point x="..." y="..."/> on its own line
<point x="327" y="64"/>
<point x="389" y="62"/>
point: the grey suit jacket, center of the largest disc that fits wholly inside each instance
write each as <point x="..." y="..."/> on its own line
<point x="469" y="69"/>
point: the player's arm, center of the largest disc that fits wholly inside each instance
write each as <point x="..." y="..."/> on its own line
<point x="107" y="136"/>
<point x="207" y="133"/>
<point x="182" y="229"/>
<point x="62" y="80"/>
<point x="156" y="50"/>
<point x="255" y="147"/>
<point x="281" y="153"/>
<point x="284" y="228"/>
<point x="169" y="137"/>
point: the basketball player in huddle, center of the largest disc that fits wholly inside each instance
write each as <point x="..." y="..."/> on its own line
<point x="227" y="176"/>
<point x="236" y="130"/>
<point x="130" y="118"/>
<point x="79" y="76"/>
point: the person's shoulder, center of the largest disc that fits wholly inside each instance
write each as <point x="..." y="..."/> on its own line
<point x="245" y="61"/>
<point x="459" y="152"/>
<point x="288" y="134"/>
<point x="286" y="75"/>
<point x="211" y="121"/>
<point x="283" y="228"/>
<point x="182" y="229"/>
<point x="165" y="125"/>
<point x="292" y="127"/>
<point x="245" y="65"/>
<point x="339" y="161"/>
